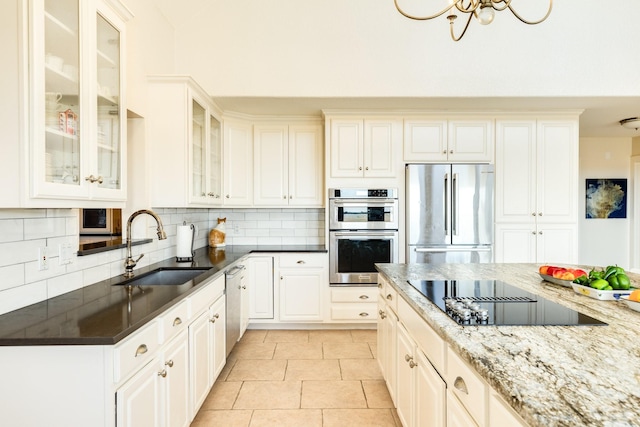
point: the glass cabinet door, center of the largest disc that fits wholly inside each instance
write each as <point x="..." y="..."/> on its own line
<point x="61" y="92"/>
<point x="199" y="156"/>
<point x="108" y="138"/>
<point x="215" y="160"/>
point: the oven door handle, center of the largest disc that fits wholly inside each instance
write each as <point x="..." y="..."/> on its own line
<point x="367" y="204"/>
<point x="366" y="235"/>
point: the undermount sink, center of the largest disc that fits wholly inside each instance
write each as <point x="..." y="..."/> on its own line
<point x="164" y="277"/>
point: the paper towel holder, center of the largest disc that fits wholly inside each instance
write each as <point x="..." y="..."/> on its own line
<point x="193" y="238"/>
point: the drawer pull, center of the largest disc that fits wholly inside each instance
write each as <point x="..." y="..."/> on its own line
<point x="364" y="297"/>
<point x="142" y="349"/>
<point x="177" y="321"/>
<point x="460" y="385"/>
<point x="364" y="314"/>
<point x="301" y="262"/>
<point x="379" y="285"/>
<point x="163" y="373"/>
<point x="389" y="297"/>
<point x="169" y="363"/>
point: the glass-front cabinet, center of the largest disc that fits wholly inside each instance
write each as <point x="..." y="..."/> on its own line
<point x="76" y="127"/>
<point x="205" y="155"/>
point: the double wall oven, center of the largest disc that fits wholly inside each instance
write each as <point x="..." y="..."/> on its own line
<point x="363" y="230"/>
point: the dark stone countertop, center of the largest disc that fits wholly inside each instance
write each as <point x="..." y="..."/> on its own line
<point x="103" y="314"/>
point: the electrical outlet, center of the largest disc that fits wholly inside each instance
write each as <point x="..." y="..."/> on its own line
<point x="43" y="258"/>
<point x="236" y="229"/>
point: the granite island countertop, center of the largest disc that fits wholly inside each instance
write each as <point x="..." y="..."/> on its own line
<point x="103" y="313"/>
<point x="550" y="375"/>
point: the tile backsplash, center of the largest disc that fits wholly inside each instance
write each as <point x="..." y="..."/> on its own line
<point x="24" y="231"/>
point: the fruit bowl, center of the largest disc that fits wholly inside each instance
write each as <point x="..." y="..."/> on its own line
<point x="551" y="279"/>
<point x="615" y="294"/>
<point x="633" y="305"/>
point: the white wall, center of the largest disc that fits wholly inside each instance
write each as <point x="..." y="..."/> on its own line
<point x="604" y="241"/>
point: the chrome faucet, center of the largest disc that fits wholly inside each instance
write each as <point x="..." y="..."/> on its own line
<point x="129" y="263"/>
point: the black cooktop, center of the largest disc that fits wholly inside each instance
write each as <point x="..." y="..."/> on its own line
<point x="493" y="302"/>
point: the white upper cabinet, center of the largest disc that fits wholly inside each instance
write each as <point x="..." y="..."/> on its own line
<point x="75" y="129"/>
<point x="441" y="140"/>
<point x="537" y="171"/>
<point x="364" y="148"/>
<point x="288" y="165"/>
<point x="184" y="136"/>
<point x="238" y="163"/>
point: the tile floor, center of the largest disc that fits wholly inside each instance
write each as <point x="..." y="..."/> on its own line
<point x="318" y="378"/>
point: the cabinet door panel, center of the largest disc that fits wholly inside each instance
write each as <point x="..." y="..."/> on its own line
<point x="457" y="415"/>
<point x="515" y="243"/>
<point x="238" y="164"/>
<point x="430" y="392"/>
<point x="556" y="243"/>
<point x="471" y="140"/>
<point x="425" y="140"/>
<point x="138" y="400"/>
<point x="557" y="171"/>
<point x="515" y="171"/>
<point x="346" y="148"/>
<point x="217" y="327"/>
<point x="260" y="275"/>
<point x="270" y="165"/>
<point x="405" y="377"/>
<point x="301" y="295"/>
<point x="176" y="382"/>
<point x="380" y="139"/>
<point x="200" y="354"/>
<point x="306" y="174"/>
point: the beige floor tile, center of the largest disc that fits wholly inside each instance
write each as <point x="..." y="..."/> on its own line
<point x="253" y="335"/>
<point x="222" y="395"/>
<point x="302" y="350"/>
<point x="287" y="418"/>
<point x="332" y="394"/>
<point x="377" y="394"/>
<point x="374" y="349"/>
<point x="360" y="369"/>
<point x="269" y="395"/>
<point x="346" y="350"/>
<point x="254" y="350"/>
<point x="364" y="335"/>
<point x="222" y="418"/>
<point x="328" y="369"/>
<point x="257" y="370"/>
<point x="287" y="336"/>
<point x="330" y="336"/>
<point x="358" y="418"/>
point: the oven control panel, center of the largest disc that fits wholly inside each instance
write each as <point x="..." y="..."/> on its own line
<point x="363" y="193"/>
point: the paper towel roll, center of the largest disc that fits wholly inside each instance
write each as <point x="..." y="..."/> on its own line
<point x="184" y="242"/>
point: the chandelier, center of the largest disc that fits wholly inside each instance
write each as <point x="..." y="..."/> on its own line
<point x="483" y="10"/>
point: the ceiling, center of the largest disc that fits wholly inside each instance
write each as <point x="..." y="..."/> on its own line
<point x="600" y="115"/>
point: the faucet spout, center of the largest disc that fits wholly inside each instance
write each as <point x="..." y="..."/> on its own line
<point x="130" y="263"/>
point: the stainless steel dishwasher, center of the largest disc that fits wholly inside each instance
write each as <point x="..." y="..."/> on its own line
<point x="233" y="284"/>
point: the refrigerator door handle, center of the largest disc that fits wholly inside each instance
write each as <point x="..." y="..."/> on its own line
<point x="454" y="204"/>
<point x="449" y="249"/>
<point x="446" y="204"/>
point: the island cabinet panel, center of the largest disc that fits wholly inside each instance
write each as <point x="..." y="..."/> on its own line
<point x="536" y="190"/>
<point x="501" y="414"/>
<point x="467" y="387"/>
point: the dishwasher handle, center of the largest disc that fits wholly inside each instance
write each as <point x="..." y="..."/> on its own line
<point x="234" y="271"/>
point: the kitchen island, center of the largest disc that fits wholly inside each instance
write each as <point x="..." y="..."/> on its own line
<point x="549" y="375"/>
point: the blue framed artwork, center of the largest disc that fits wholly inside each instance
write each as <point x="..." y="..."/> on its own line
<point x="606" y="198"/>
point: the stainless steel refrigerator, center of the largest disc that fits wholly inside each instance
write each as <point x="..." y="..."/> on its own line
<point x="449" y="213"/>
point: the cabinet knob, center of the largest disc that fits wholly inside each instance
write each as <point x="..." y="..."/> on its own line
<point x="360" y="168"/>
<point x="142" y="349"/>
<point x="244" y="287"/>
<point x="539" y="213"/>
<point x="364" y="314"/>
<point x="291" y="197"/>
<point x="533" y="232"/>
<point x="284" y="197"/>
<point x="202" y="194"/>
<point x="364" y="297"/>
<point x="213" y="319"/>
<point x="412" y="364"/>
<point x="163" y="373"/>
<point x="210" y="194"/>
<point x="450" y="151"/>
<point x="533" y="214"/>
<point x="169" y="363"/>
<point x="444" y="151"/>
<point x="93" y="179"/>
<point x="227" y="196"/>
<point x="367" y="168"/>
<point x="407" y="358"/>
<point x="539" y="232"/>
<point x="461" y="385"/>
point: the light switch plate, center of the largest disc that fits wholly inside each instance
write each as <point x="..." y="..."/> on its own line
<point x="65" y="253"/>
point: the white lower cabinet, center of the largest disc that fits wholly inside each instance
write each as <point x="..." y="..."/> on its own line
<point x="457" y="415"/>
<point x="354" y="304"/>
<point x="501" y="414"/>
<point x="542" y="243"/>
<point x="174" y="382"/>
<point x="420" y="389"/>
<point x="260" y="282"/>
<point x="138" y="400"/>
<point x="303" y="281"/>
<point x="386" y="350"/>
<point x="207" y="352"/>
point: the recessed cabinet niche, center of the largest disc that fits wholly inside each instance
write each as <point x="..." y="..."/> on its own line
<point x="76" y="131"/>
<point x="185" y="137"/>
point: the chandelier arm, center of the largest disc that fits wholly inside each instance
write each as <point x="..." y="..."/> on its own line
<point x="532" y="22"/>
<point x="456" y="39"/>
<point x="424" y="18"/>
<point x="494" y="4"/>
